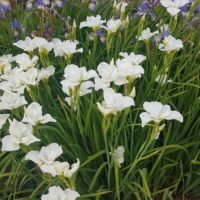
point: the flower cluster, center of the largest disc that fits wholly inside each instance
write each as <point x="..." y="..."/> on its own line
<point x="43" y="4"/>
<point x="111" y="86"/>
<point x="174" y="7"/>
<point x="22" y="132"/>
<point x="45" y="159"/>
<point x="61" y="48"/>
<point x="19" y="133"/>
<point x="19" y="73"/>
<point x="114" y="102"/>
<point x="168" y="44"/>
<point x="124" y="71"/>
<point x="77" y="81"/>
<point x="111" y="26"/>
<point x="55" y="192"/>
<point x="157" y="112"/>
<point x="146" y="8"/>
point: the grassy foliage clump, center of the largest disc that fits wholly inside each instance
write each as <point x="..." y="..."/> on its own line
<point x="163" y="168"/>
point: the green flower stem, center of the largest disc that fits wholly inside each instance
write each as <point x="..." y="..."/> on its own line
<point x="32" y="93"/>
<point x="94" y="48"/>
<point x="25" y="149"/>
<point x="117" y="180"/>
<point x="16" y="113"/>
<point x="128" y="87"/>
<point x="108" y="45"/>
<point x="72" y="181"/>
<point x="61" y="62"/>
<point x="174" y="23"/>
<point x="42" y="23"/>
<point x="168" y="60"/>
<point x="66" y="182"/>
<point x="140" y="29"/>
<point x="122" y="16"/>
<point x="69" y="182"/>
<point x="68" y="59"/>
<point x="105" y="127"/>
<point x="148" y="53"/>
<point x="171" y="22"/>
<point x="160" y="156"/>
<point x="44" y="59"/>
<point x="143" y="149"/>
<point x="36" y="130"/>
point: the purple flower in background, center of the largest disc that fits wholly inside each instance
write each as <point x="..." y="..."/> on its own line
<point x="165" y="31"/>
<point x="100" y="32"/>
<point x="2" y="13"/>
<point x="164" y="34"/>
<point x="185" y="8"/>
<point x="197" y="8"/>
<point x="29" y="5"/>
<point x="59" y="3"/>
<point x="156" y="2"/>
<point x="5" y="5"/>
<point x="46" y="25"/>
<point x="40" y="4"/>
<point x="92" y="5"/>
<point x="146" y="8"/>
<point x="195" y="22"/>
<point x="15" y="24"/>
<point x="101" y="35"/>
<point x="117" y="16"/>
<point x="43" y="4"/>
